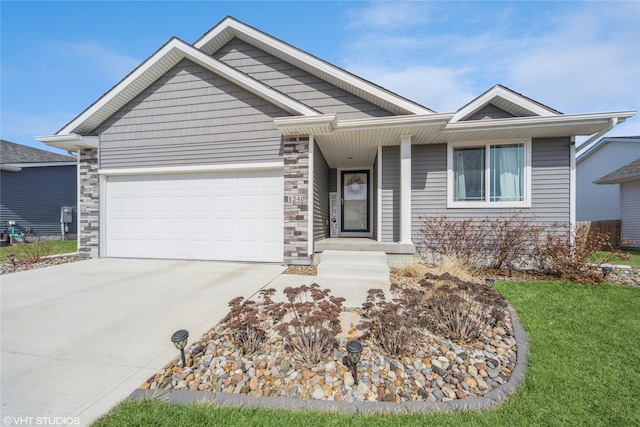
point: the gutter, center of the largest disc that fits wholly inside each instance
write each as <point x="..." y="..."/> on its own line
<point x="10" y="168"/>
<point x="612" y="123"/>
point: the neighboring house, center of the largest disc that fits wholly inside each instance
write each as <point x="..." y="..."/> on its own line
<point x="628" y="177"/>
<point x="601" y="202"/>
<point x="242" y="147"/>
<point x="34" y="186"/>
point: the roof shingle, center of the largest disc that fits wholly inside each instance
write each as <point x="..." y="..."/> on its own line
<point x="628" y="172"/>
<point x="11" y="152"/>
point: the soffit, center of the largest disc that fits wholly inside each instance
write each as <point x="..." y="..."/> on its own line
<point x="349" y="145"/>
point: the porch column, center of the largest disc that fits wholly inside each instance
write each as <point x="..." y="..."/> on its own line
<point x="405" y="189"/>
<point x="296" y="201"/>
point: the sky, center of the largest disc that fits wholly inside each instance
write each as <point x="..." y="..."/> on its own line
<point x="57" y="58"/>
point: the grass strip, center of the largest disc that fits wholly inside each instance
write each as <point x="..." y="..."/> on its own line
<point x="53" y="248"/>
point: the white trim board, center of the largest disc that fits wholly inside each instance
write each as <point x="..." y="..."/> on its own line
<point x="194" y="169"/>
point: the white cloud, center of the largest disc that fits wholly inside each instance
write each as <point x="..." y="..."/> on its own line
<point x="100" y="58"/>
<point x="389" y="15"/>
<point x="575" y="57"/>
<point x="593" y="63"/>
<point x="441" y="89"/>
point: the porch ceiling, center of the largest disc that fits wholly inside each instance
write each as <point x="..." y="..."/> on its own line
<point x="357" y="148"/>
<point x="354" y="144"/>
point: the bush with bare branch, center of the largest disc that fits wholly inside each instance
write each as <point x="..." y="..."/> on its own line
<point x="457" y="315"/>
<point x="458" y="309"/>
<point x="244" y="319"/>
<point x="249" y="320"/>
<point x="314" y="321"/>
<point x="564" y="252"/>
<point x="488" y="242"/>
<point x="392" y="324"/>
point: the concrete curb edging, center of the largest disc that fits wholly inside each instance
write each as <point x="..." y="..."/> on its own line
<point x="490" y="400"/>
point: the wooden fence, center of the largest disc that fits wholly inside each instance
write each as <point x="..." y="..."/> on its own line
<point x="611" y="226"/>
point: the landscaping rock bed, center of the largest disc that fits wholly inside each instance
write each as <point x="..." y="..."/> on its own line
<point x="438" y="370"/>
<point x="624" y="275"/>
<point x="8" y="267"/>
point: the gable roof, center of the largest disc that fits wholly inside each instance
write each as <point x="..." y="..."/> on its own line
<point x="157" y="65"/>
<point x="12" y="153"/>
<point x="530" y="119"/>
<point x="629" y="172"/>
<point x="230" y="28"/>
<point x="176" y="50"/>
<point x="586" y="150"/>
<point x="508" y="100"/>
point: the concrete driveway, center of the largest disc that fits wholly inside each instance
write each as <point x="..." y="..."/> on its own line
<point x="78" y="338"/>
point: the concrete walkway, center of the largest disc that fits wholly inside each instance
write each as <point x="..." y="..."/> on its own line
<point x="353" y="290"/>
<point x="78" y="338"/>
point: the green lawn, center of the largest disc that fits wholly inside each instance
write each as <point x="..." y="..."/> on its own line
<point x="634" y="258"/>
<point x="583" y="370"/>
<point x="57" y="247"/>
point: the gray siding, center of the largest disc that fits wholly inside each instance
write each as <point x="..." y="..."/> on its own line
<point x="550" y="184"/>
<point x="33" y="198"/>
<point x="390" y="194"/>
<point x="490" y="111"/>
<point x="295" y="82"/>
<point x="320" y="195"/>
<point x="191" y="116"/>
<point x="333" y="180"/>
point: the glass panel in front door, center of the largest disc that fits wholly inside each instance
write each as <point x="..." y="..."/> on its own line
<point x="355" y="201"/>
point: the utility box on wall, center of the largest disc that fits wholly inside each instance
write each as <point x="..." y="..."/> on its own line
<point x="66" y="214"/>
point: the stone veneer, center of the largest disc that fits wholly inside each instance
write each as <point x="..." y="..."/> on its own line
<point x="89" y="203"/>
<point x="296" y="202"/>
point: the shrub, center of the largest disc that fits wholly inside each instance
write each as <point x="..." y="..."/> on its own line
<point x="459" y="239"/>
<point x="485" y="242"/>
<point x="249" y="320"/>
<point x="458" y="309"/>
<point x="392" y="324"/>
<point x="314" y="321"/>
<point x="32" y="253"/>
<point x="244" y="319"/>
<point x="564" y="252"/>
<point x="457" y="315"/>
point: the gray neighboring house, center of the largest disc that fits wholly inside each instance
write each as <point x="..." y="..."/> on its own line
<point x="34" y="185"/>
<point x="601" y="202"/>
<point x="243" y="147"/>
<point x="628" y="178"/>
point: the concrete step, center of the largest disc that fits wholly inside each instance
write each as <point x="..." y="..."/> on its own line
<point x="349" y="264"/>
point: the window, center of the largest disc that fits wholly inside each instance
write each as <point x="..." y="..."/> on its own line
<point x="489" y="174"/>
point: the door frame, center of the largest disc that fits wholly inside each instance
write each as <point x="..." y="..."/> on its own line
<point x="369" y="233"/>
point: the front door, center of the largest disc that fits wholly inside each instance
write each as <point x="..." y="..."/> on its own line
<point x="355" y="201"/>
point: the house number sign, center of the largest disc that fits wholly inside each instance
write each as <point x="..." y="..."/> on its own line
<point x="298" y="199"/>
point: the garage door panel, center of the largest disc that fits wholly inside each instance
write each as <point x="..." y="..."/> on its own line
<point x="230" y="216"/>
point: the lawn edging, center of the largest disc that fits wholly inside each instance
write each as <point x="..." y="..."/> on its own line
<point x="490" y="400"/>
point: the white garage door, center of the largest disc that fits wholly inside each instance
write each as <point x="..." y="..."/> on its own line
<point x="210" y="216"/>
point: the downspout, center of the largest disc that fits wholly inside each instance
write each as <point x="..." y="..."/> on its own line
<point x="612" y="123"/>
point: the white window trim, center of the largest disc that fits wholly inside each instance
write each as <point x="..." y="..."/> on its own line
<point x="486" y="204"/>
